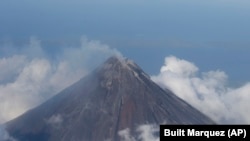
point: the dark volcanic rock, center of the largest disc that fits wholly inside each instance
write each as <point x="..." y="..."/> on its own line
<point x="117" y="95"/>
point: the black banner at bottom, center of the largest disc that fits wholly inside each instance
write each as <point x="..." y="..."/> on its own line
<point x="205" y="132"/>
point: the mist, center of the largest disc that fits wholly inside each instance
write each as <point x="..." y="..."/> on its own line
<point x="4" y="135"/>
<point x="30" y="76"/>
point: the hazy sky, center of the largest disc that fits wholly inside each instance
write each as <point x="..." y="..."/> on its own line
<point x="47" y="35"/>
<point x="214" y="34"/>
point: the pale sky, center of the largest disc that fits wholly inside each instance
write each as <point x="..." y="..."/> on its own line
<point x="213" y="35"/>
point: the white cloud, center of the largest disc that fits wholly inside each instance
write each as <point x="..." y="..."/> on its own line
<point x="125" y="135"/>
<point x="10" y="67"/>
<point x="147" y="132"/>
<point x="4" y="135"/>
<point x="207" y="91"/>
<point x="55" y="121"/>
<point x="30" y="77"/>
<point x="143" y="133"/>
<point x="183" y="67"/>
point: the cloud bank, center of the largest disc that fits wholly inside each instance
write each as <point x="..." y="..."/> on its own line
<point x="207" y="91"/>
<point x="145" y="132"/>
<point x="29" y="76"/>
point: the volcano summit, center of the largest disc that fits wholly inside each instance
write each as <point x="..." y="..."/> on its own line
<point x="115" y="96"/>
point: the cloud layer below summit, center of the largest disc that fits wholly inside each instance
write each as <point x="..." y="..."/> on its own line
<point x="207" y="91"/>
<point x="29" y="76"/>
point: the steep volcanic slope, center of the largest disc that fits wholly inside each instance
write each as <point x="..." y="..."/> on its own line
<point x="117" y="95"/>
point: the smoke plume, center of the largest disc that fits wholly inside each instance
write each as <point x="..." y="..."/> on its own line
<point x="29" y="76"/>
<point x="207" y="91"/>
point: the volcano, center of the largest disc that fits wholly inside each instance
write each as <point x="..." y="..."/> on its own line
<point x="115" y="96"/>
